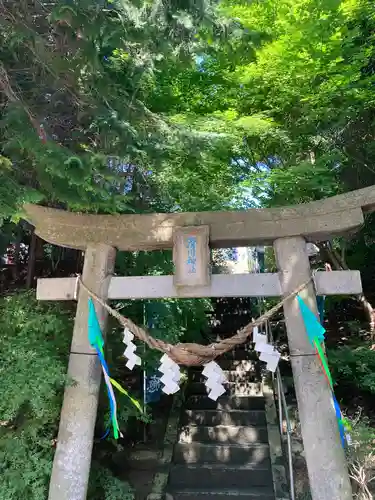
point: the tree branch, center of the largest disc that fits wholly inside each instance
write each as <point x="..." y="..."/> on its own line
<point x="339" y="263"/>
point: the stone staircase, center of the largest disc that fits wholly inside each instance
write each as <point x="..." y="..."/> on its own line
<point x="222" y="450"/>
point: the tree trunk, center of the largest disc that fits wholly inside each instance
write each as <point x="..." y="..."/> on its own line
<point x="17" y="249"/>
<point x="31" y="262"/>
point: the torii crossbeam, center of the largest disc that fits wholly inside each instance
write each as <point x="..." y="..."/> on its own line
<point x="287" y="228"/>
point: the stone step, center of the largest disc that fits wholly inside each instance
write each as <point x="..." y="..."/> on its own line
<point x="216" y="476"/>
<point x="214" y="417"/>
<point x="225" y="403"/>
<point x="238" y="364"/>
<point x="223" y="434"/>
<point x="230" y="375"/>
<point x="197" y="453"/>
<point x="232" y="389"/>
<point x="264" y="493"/>
<point x="241" y="354"/>
<point x="138" y="459"/>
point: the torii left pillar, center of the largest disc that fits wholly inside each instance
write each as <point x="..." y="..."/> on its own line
<point x="71" y="466"/>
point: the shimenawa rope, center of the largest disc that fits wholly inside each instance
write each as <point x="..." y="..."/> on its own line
<point x="193" y="354"/>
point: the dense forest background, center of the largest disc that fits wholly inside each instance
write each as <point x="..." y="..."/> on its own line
<point x="162" y="106"/>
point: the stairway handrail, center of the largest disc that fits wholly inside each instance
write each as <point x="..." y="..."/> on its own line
<point x="283" y="409"/>
<point x="283" y="412"/>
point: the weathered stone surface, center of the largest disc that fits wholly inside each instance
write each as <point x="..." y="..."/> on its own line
<point x="197" y="453"/>
<point x="232" y="388"/>
<point x="328" y="473"/>
<point x="223" y="452"/>
<point x="213" y="417"/>
<point x="225" y="285"/>
<point x="223" y="434"/>
<point x="71" y="467"/>
<point x="232" y="376"/>
<point x="280" y="483"/>
<point x="226" y="403"/>
<point x="316" y="220"/>
<point x="224" y="494"/>
<point x="191" y="256"/>
<point x="218" y="476"/>
<point x="161" y="478"/>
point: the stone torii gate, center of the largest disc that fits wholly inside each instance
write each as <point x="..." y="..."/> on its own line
<point x="287" y="229"/>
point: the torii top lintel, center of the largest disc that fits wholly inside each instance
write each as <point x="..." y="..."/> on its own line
<point x="318" y="220"/>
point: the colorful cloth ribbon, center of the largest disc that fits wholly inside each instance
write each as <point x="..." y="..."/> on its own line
<point x="97" y="342"/>
<point x="315" y="332"/>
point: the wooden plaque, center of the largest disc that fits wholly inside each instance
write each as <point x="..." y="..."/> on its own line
<point x="191" y="256"/>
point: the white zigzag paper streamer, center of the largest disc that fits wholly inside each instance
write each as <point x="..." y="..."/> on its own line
<point x="171" y="375"/>
<point x="215" y="380"/>
<point x="129" y="352"/>
<point x="268" y="353"/>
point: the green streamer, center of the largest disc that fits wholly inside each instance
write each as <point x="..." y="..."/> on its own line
<point x="323" y="359"/>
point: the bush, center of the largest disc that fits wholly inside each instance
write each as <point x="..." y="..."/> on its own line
<point x="104" y="486"/>
<point x="361" y="458"/>
<point x="353" y="366"/>
<point x="34" y="351"/>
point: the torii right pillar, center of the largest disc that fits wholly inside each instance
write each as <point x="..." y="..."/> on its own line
<point x="325" y="456"/>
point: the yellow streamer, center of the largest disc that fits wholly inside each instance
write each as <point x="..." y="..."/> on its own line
<point x="125" y="392"/>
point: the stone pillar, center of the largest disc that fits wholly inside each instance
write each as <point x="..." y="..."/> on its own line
<point x="71" y="466"/>
<point x="326" y="463"/>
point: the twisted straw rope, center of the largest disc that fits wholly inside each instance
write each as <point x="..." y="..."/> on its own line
<point x="193" y="354"/>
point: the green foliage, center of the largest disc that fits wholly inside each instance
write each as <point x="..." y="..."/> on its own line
<point x="32" y="336"/>
<point x="148" y="106"/>
<point x="360" y="457"/>
<point x="104" y="486"/>
<point x="311" y="81"/>
<point x="33" y="361"/>
<point x="33" y="357"/>
<point x="173" y="320"/>
<point x="100" y="87"/>
<point x="353" y="366"/>
<point x="363" y="437"/>
<point x="176" y="320"/>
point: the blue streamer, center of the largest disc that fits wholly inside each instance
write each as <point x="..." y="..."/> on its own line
<point x="95" y="333"/>
<point x="111" y="402"/>
<point x="97" y="342"/>
<point x="106" y="433"/>
<point x="314" y="329"/>
<point x="339" y="419"/>
<point x="315" y="332"/>
<point x="102" y="360"/>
